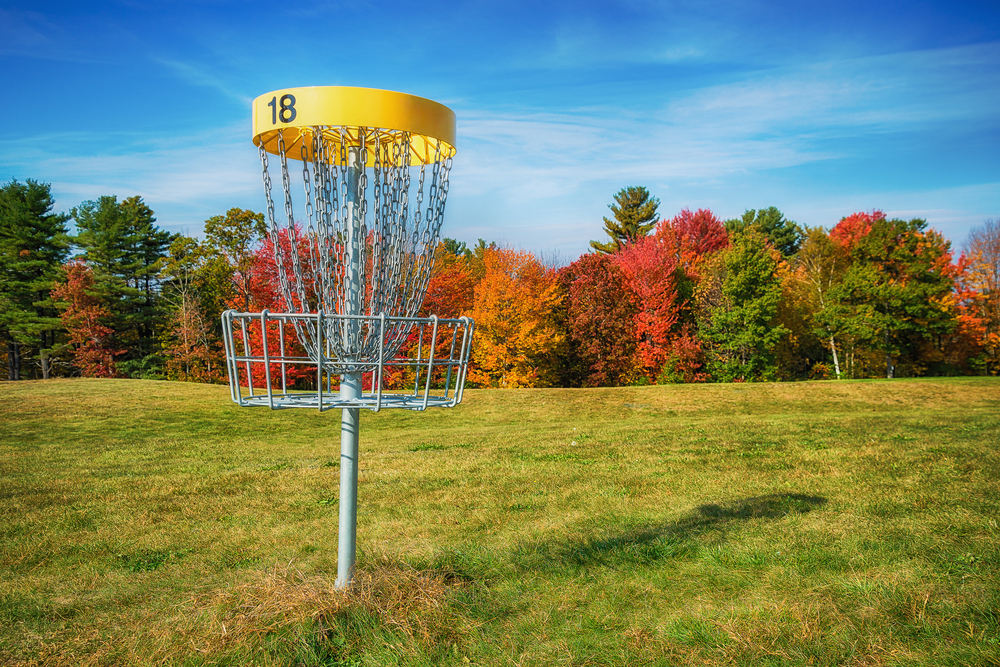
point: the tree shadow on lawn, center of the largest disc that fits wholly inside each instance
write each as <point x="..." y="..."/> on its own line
<point x="652" y="543"/>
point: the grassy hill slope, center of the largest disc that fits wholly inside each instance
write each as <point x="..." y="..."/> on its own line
<point x="764" y="524"/>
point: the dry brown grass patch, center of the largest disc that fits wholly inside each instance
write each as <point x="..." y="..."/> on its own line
<point x="285" y="605"/>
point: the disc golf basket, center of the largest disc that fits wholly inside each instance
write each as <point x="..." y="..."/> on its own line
<point x="353" y="269"/>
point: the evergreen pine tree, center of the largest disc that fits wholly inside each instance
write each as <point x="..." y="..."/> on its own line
<point x="33" y="245"/>
<point x="123" y="246"/>
<point x="635" y="216"/>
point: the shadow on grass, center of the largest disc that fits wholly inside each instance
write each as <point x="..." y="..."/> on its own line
<point x="650" y="543"/>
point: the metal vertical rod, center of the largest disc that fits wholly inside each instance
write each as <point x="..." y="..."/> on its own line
<point x="350" y="385"/>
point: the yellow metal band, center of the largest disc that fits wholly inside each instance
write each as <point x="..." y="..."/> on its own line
<point x="296" y="113"/>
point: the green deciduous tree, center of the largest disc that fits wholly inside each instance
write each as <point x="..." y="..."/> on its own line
<point x="33" y="245"/>
<point x="737" y="303"/>
<point x="635" y="216"/>
<point x="190" y="337"/>
<point x="785" y="235"/>
<point x="896" y="291"/>
<point x="821" y="263"/>
<point x="236" y="237"/>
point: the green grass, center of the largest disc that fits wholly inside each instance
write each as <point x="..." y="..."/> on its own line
<point x="828" y="523"/>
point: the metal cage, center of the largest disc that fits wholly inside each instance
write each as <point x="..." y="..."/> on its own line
<point x="269" y="367"/>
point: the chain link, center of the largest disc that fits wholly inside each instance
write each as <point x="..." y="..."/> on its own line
<point x="395" y="248"/>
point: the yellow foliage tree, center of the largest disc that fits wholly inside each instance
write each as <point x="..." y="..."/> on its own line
<point x="517" y="338"/>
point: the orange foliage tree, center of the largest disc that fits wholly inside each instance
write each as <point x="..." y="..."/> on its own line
<point x="451" y="290"/>
<point x="854" y="227"/>
<point x="517" y="338"/>
<point x="450" y="294"/>
<point x="83" y="315"/>
<point x="981" y="283"/>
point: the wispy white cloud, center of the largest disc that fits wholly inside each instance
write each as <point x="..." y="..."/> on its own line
<point x="202" y="76"/>
<point x="536" y="172"/>
<point x="182" y="178"/>
<point x="770" y="120"/>
<point x="888" y="92"/>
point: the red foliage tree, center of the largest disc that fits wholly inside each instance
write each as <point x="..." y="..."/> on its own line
<point x="650" y="269"/>
<point x="600" y="322"/>
<point x="854" y="227"/>
<point x="451" y="290"/>
<point x="660" y="270"/>
<point x="685" y="359"/>
<point x="83" y="315"/>
<point x="261" y="292"/>
<point x="693" y="237"/>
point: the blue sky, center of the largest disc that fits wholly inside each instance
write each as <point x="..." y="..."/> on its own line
<point x="820" y="109"/>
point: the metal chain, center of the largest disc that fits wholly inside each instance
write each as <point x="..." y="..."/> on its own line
<point x="395" y="249"/>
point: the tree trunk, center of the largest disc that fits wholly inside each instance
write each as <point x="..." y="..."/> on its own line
<point x="13" y="360"/>
<point x="889" y="369"/>
<point x="836" y="363"/>
<point x="43" y="356"/>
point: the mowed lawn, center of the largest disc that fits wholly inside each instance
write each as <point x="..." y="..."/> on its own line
<point x="817" y="523"/>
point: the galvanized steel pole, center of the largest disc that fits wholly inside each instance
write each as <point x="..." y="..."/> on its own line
<point x="350" y="386"/>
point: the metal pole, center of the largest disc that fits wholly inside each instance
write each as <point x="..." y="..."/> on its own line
<point x="350" y="387"/>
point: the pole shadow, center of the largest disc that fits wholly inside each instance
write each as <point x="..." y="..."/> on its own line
<point x="652" y="543"/>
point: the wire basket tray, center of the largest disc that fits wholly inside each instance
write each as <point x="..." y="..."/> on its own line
<point x="270" y="366"/>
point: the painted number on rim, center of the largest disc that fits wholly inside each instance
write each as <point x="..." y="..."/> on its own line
<point x="283" y="109"/>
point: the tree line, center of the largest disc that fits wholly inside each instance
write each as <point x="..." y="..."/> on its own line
<point x="690" y="298"/>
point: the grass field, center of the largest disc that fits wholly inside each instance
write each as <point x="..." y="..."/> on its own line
<point x="828" y="523"/>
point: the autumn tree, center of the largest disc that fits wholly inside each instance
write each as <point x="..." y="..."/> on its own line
<point x="237" y="238"/>
<point x="260" y="290"/>
<point x="516" y="340"/>
<point x="693" y="237"/>
<point x="84" y="315"/>
<point x="33" y="245"/>
<point x="634" y="214"/>
<point x="649" y="267"/>
<point x="190" y="342"/>
<point x="600" y="312"/>
<point x="451" y="288"/>
<point x="661" y="270"/>
<point x="982" y="279"/>
<point x="690" y="238"/>
<point x="895" y="292"/>
<point x="854" y="227"/>
<point x="785" y="235"/>
<point x="476" y="257"/>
